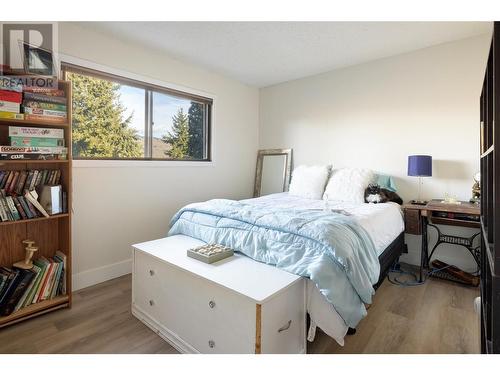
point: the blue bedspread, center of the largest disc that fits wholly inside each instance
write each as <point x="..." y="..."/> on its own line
<point x="329" y="248"/>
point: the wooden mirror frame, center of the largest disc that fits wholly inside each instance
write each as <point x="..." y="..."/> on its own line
<point x="260" y="161"/>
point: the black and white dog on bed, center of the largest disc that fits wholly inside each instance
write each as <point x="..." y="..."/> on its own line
<point x="376" y="194"/>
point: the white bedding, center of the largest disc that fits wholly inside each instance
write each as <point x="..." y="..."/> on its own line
<point x="383" y="222"/>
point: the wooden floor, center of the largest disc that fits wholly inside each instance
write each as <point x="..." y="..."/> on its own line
<point x="437" y="317"/>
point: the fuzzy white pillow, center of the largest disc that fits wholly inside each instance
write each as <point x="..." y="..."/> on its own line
<point x="309" y="182"/>
<point x="348" y="185"/>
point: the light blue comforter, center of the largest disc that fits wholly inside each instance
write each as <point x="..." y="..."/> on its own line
<point x="329" y="248"/>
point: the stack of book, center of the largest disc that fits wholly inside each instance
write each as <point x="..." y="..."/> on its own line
<point x="10" y="101"/>
<point x="20" y="288"/>
<point x="18" y="196"/>
<point x="45" y="105"/>
<point x="34" y="143"/>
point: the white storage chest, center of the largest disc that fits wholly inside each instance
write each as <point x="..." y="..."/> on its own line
<point x="236" y="305"/>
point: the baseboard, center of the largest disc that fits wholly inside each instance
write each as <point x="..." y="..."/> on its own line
<point x="98" y="275"/>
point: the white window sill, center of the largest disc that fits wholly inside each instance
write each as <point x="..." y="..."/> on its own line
<point x="139" y="163"/>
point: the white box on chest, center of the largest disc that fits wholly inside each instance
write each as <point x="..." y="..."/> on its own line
<point x="236" y="305"/>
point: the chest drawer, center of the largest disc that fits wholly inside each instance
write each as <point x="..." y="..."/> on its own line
<point x="209" y="317"/>
<point x="236" y="309"/>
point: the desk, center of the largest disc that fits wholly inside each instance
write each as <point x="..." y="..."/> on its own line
<point x="419" y="217"/>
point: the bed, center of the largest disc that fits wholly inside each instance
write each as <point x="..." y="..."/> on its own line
<point x="382" y="222"/>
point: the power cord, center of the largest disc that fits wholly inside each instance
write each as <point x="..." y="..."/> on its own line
<point x="396" y="268"/>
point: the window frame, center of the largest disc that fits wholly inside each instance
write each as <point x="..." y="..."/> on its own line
<point x="76" y="65"/>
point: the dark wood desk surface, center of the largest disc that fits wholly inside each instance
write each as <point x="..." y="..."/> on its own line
<point x="438" y="205"/>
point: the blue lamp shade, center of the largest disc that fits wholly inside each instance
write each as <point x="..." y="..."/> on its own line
<point x="420" y="165"/>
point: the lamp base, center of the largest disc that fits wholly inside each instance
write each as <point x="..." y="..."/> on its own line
<point x="419" y="203"/>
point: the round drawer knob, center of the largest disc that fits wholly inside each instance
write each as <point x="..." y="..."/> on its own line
<point x="211" y="343"/>
<point x="211" y="304"/>
<point x="151" y="272"/>
<point x="151" y="302"/>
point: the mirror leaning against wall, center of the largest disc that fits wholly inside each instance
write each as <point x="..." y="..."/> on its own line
<point x="273" y="171"/>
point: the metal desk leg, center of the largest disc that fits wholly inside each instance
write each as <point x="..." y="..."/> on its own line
<point x="424" y="260"/>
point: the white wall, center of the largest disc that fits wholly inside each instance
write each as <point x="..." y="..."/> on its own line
<point x="116" y="207"/>
<point x="376" y="114"/>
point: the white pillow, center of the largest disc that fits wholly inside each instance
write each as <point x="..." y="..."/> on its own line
<point x="348" y="185"/>
<point x="309" y="182"/>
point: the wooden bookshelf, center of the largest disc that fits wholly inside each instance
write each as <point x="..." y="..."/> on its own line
<point x="50" y="234"/>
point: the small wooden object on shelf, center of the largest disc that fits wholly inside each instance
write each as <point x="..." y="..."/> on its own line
<point x="27" y="263"/>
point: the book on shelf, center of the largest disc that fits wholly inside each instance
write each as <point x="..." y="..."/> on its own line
<point x="20" y="288"/>
<point x="17" y="290"/>
<point x="19" y="199"/>
<point x="48" y="91"/>
<point x="32" y="156"/>
<point x="24" y="131"/>
<point x="45" y="106"/>
<point x="11" y="96"/>
<point x="6" y="106"/>
<point x="11" y="115"/>
<point x="33" y="150"/>
<point x="29" y="143"/>
<point x="10" y="102"/>
<point x="39" y="97"/>
<point x="42" y="118"/>
<point x="42" y="112"/>
<point x="36" y="142"/>
<point x="10" y="85"/>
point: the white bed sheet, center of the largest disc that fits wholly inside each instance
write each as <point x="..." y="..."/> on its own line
<point x="383" y="222"/>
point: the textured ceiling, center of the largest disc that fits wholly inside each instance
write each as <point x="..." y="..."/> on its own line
<point x="266" y="53"/>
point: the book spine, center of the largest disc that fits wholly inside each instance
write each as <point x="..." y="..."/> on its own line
<point x="3" y="175"/>
<point x="22" y="131"/>
<point x="3" y="213"/>
<point x="46" y="281"/>
<point x="35" y="203"/>
<point x="12" y="284"/>
<point x="13" y="183"/>
<point x="12" y="208"/>
<point x="37" y="178"/>
<point x="29" y="179"/>
<point x="45" y="91"/>
<point x="10" y="85"/>
<point x="9" y="106"/>
<point x="44" y="98"/>
<point x="19" y="208"/>
<point x="43" y="112"/>
<point x="11" y="96"/>
<point x="45" y="271"/>
<point x="9" y="180"/>
<point x="27" y="291"/>
<point x="32" y="208"/>
<point x="26" y="208"/>
<point x="40" y="270"/>
<point x="11" y="115"/>
<point x="51" y="119"/>
<point x="36" y="142"/>
<point x="22" y="181"/>
<point x="45" y="106"/>
<point x="5" y="206"/>
<point x="32" y="156"/>
<point x="34" y="150"/>
<point x="10" y="304"/>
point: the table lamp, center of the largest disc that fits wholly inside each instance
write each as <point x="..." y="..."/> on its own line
<point x="419" y="166"/>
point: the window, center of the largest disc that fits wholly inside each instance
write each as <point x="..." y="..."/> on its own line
<point x="116" y="118"/>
